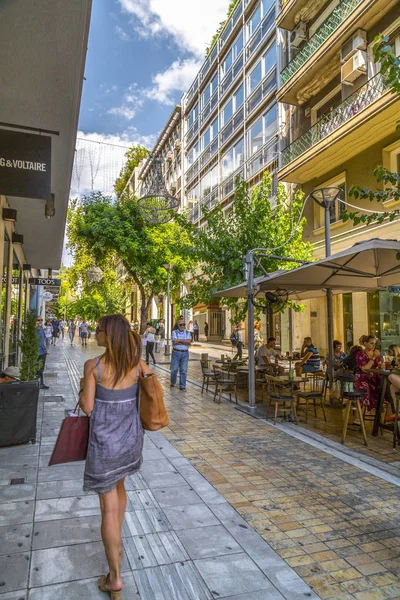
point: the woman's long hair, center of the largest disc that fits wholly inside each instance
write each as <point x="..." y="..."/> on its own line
<point x="123" y="346"/>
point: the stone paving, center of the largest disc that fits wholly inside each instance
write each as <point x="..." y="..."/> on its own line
<point x="183" y="539"/>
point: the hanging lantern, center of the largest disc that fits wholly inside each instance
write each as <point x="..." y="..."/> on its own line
<point x="95" y="275"/>
<point x="157" y="205"/>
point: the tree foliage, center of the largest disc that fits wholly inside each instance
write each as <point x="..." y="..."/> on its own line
<point x="100" y="227"/>
<point x="133" y="157"/>
<point x="390" y="70"/>
<point x="252" y="222"/>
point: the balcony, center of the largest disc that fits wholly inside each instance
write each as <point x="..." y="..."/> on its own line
<point x="360" y="121"/>
<point x="261" y="32"/>
<point x="265" y="158"/>
<point x="230" y="26"/>
<point x="192" y="171"/>
<point x="264" y="89"/>
<point x="230" y="182"/>
<point x="317" y="62"/>
<point x="209" y="108"/>
<point x="208" y="153"/>
<point x="211" y="199"/>
<point x="192" y="131"/>
<point x="232" y="74"/>
<point x="232" y="126"/>
<point x="194" y="214"/>
<point x="324" y="31"/>
<point x="288" y="11"/>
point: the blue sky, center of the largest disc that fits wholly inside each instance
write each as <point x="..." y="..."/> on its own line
<point x="142" y="55"/>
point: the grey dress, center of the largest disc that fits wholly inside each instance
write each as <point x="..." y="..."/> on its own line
<point x="115" y="437"/>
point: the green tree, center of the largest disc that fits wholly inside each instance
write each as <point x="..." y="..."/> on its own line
<point x="29" y="345"/>
<point x="390" y="181"/>
<point x="100" y="227"/>
<point x="252" y="222"/>
<point x="133" y="157"/>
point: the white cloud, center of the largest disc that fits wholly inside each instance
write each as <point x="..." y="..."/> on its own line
<point x="177" y="78"/>
<point x="133" y="101"/>
<point x="121" y="34"/>
<point x="191" y="23"/>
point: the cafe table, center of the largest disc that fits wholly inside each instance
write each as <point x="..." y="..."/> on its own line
<point x="384" y="374"/>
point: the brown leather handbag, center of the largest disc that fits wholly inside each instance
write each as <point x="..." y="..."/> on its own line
<point x="152" y="411"/>
<point x="72" y="441"/>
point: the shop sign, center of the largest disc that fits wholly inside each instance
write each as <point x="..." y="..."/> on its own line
<point x="25" y="165"/>
<point x="14" y="280"/>
<point x="47" y="296"/>
<point x="44" y="281"/>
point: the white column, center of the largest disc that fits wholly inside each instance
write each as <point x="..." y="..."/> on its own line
<point x="154" y="308"/>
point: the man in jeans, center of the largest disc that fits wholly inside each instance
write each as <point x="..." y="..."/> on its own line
<point x="41" y="336"/>
<point x="181" y="342"/>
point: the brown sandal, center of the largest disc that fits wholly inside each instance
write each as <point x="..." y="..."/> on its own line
<point x="115" y="595"/>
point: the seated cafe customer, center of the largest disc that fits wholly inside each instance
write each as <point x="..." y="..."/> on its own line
<point x="10" y="375"/>
<point x="268" y="357"/>
<point x="310" y="360"/>
<point x="368" y="358"/>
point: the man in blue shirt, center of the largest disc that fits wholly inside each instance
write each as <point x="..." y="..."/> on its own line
<point x="181" y="342"/>
<point x="41" y="336"/>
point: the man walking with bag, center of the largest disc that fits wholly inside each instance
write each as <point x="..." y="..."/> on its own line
<point x="181" y="342"/>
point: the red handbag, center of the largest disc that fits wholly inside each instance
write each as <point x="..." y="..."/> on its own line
<point x="72" y="441"/>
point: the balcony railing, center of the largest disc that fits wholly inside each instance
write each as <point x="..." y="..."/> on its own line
<point x="209" y="152"/>
<point x="209" y="107"/>
<point x="209" y="62"/>
<point x="230" y="182"/>
<point x="231" y="25"/>
<point x="267" y="155"/>
<point x="192" y="131"/>
<point x="259" y="34"/>
<point x="324" y="31"/>
<point x="232" y="74"/>
<point x="362" y="98"/>
<point x="192" y="171"/>
<point x="194" y="214"/>
<point x="211" y="199"/>
<point x="232" y="126"/>
<point x="262" y="91"/>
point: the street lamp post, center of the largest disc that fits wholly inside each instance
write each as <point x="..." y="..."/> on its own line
<point x="325" y="197"/>
<point x="168" y="268"/>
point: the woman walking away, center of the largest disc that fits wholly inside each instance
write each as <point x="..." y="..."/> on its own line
<point x="48" y="333"/>
<point x="109" y="395"/>
<point x="71" y="331"/>
<point x="149" y="334"/>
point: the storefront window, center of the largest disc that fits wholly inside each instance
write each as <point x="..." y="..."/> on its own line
<point x="348" y="322"/>
<point x="4" y="297"/>
<point x="389" y="317"/>
<point x="15" y="312"/>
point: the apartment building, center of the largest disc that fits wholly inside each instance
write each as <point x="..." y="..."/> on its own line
<point x="230" y="112"/>
<point x="340" y="123"/>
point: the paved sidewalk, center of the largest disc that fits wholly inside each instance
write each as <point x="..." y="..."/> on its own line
<point x="183" y="540"/>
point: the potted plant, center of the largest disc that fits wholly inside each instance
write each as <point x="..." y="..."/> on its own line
<point x="19" y="400"/>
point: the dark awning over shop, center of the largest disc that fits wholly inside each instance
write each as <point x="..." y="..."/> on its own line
<point x="43" y="52"/>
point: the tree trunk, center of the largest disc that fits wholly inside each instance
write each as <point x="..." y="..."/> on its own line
<point x="145" y="303"/>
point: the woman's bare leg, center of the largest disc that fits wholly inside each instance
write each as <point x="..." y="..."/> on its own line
<point x="394" y="387"/>
<point x="121" y="500"/>
<point x="111" y="536"/>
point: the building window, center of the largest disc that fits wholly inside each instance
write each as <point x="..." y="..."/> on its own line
<point x="233" y="104"/>
<point x="257" y="16"/>
<point x="232" y="54"/>
<point x="193" y="154"/>
<point x="262" y="130"/>
<point x="232" y="159"/>
<point x="194" y="113"/>
<point x="209" y="90"/>
<point x="209" y="134"/>
<point x="337" y="207"/>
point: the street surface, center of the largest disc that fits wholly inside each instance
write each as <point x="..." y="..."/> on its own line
<point x="225" y="506"/>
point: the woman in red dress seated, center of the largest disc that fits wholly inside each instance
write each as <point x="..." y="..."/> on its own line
<point x="368" y="358"/>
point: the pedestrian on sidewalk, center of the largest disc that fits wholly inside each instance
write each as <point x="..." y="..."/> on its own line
<point x="109" y="393"/>
<point x="149" y="334"/>
<point x="181" y="342"/>
<point x="71" y="331"/>
<point x="55" y="324"/>
<point x="190" y="329"/>
<point x="84" y="328"/>
<point x="196" y="331"/>
<point x="238" y="335"/>
<point x="48" y="333"/>
<point x="62" y="329"/>
<point x="41" y="336"/>
<point x="206" y="331"/>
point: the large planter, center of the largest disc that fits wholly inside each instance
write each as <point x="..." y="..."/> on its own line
<point x="18" y="412"/>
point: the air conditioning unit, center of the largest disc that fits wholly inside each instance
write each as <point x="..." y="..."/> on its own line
<point x="358" y="41"/>
<point x="354" y="67"/>
<point x="298" y="35"/>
